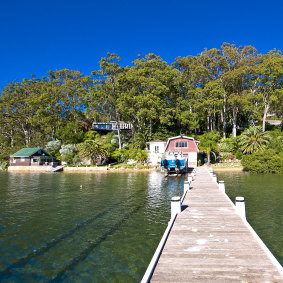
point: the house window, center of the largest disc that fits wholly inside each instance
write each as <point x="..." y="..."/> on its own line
<point x="181" y="144"/>
<point x="23" y="159"/>
<point x="156" y="148"/>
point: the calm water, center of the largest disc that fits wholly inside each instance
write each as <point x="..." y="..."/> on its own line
<point x="52" y="229"/>
<point x="264" y="205"/>
<point x="107" y="231"/>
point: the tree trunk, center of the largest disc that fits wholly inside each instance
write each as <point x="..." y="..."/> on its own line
<point x="214" y="120"/>
<point x="119" y="137"/>
<point x="224" y="118"/>
<point x="208" y="157"/>
<point x="27" y="137"/>
<point x="265" y="112"/>
<point x="208" y="122"/>
<point x="12" y="141"/>
<point x="234" y="131"/>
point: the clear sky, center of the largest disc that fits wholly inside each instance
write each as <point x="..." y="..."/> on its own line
<point x="37" y="35"/>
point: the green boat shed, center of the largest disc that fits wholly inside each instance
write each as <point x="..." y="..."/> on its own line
<point x="36" y="156"/>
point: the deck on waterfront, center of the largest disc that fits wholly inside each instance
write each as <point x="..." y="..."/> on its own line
<point x="209" y="242"/>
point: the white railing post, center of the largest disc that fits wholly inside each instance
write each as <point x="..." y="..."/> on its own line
<point x="190" y="178"/>
<point x="240" y="207"/>
<point x="214" y="178"/>
<point x="175" y="206"/>
<point x="221" y="186"/>
<point x="186" y="186"/>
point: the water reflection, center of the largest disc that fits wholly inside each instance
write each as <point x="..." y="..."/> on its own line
<point x="81" y="227"/>
<point x="264" y="201"/>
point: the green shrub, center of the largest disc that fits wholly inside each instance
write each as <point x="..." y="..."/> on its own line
<point x="264" y="161"/>
<point x="239" y="155"/>
<point x="227" y="145"/>
<point x="4" y="165"/>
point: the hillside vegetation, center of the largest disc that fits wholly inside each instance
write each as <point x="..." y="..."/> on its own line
<point x="214" y="96"/>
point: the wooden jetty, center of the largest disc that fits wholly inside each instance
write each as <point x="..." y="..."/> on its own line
<point x="57" y="169"/>
<point x="210" y="242"/>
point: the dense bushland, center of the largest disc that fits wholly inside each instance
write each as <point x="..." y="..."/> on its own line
<point x="213" y="96"/>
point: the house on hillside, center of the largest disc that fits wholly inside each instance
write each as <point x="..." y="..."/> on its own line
<point x="155" y="150"/>
<point x="111" y="126"/>
<point x="31" y="157"/>
<point x="183" y="146"/>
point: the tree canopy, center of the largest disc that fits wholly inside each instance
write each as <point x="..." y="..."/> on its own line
<point x="225" y="90"/>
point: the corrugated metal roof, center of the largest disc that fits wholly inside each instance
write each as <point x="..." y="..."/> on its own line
<point x="26" y="152"/>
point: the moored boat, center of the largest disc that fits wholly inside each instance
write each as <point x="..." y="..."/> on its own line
<point x="180" y="154"/>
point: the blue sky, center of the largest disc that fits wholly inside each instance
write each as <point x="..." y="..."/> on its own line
<point x="37" y="35"/>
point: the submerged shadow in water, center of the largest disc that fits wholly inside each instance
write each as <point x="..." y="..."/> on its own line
<point x="92" y="246"/>
<point x="52" y="243"/>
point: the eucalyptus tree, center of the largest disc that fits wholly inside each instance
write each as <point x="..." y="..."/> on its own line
<point x="236" y="79"/>
<point x="8" y="131"/>
<point x="18" y="110"/>
<point x="211" y="101"/>
<point x="74" y="86"/>
<point x="102" y="98"/>
<point x="234" y="85"/>
<point x="269" y="84"/>
<point x="217" y="64"/>
<point x="68" y="90"/>
<point x="199" y="74"/>
<point x="38" y="109"/>
<point x="147" y="95"/>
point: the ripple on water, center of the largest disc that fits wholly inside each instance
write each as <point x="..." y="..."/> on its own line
<point x="82" y="227"/>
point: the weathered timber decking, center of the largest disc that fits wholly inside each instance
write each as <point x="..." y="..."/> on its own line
<point x="209" y="242"/>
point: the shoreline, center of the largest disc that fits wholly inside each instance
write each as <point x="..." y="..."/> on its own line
<point x="228" y="169"/>
<point x="104" y="169"/>
<point x="47" y="169"/>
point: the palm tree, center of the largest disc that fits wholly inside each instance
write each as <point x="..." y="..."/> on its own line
<point x="208" y="143"/>
<point x="93" y="150"/>
<point x="253" y="139"/>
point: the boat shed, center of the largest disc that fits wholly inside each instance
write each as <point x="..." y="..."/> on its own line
<point x="31" y="157"/>
<point x="186" y="145"/>
<point x="155" y="150"/>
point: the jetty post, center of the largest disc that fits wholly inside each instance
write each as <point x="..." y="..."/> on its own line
<point x="214" y="178"/>
<point x="186" y="186"/>
<point x="221" y="186"/>
<point x="175" y="206"/>
<point x="240" y="207"/>
<point x="186" y="242"/>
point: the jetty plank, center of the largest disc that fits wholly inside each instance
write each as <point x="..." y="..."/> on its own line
<point x="210" y="242"/>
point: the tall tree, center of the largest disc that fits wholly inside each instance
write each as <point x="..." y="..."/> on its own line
<point x="146" y="94"/>
<point x="269" y="82"/>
